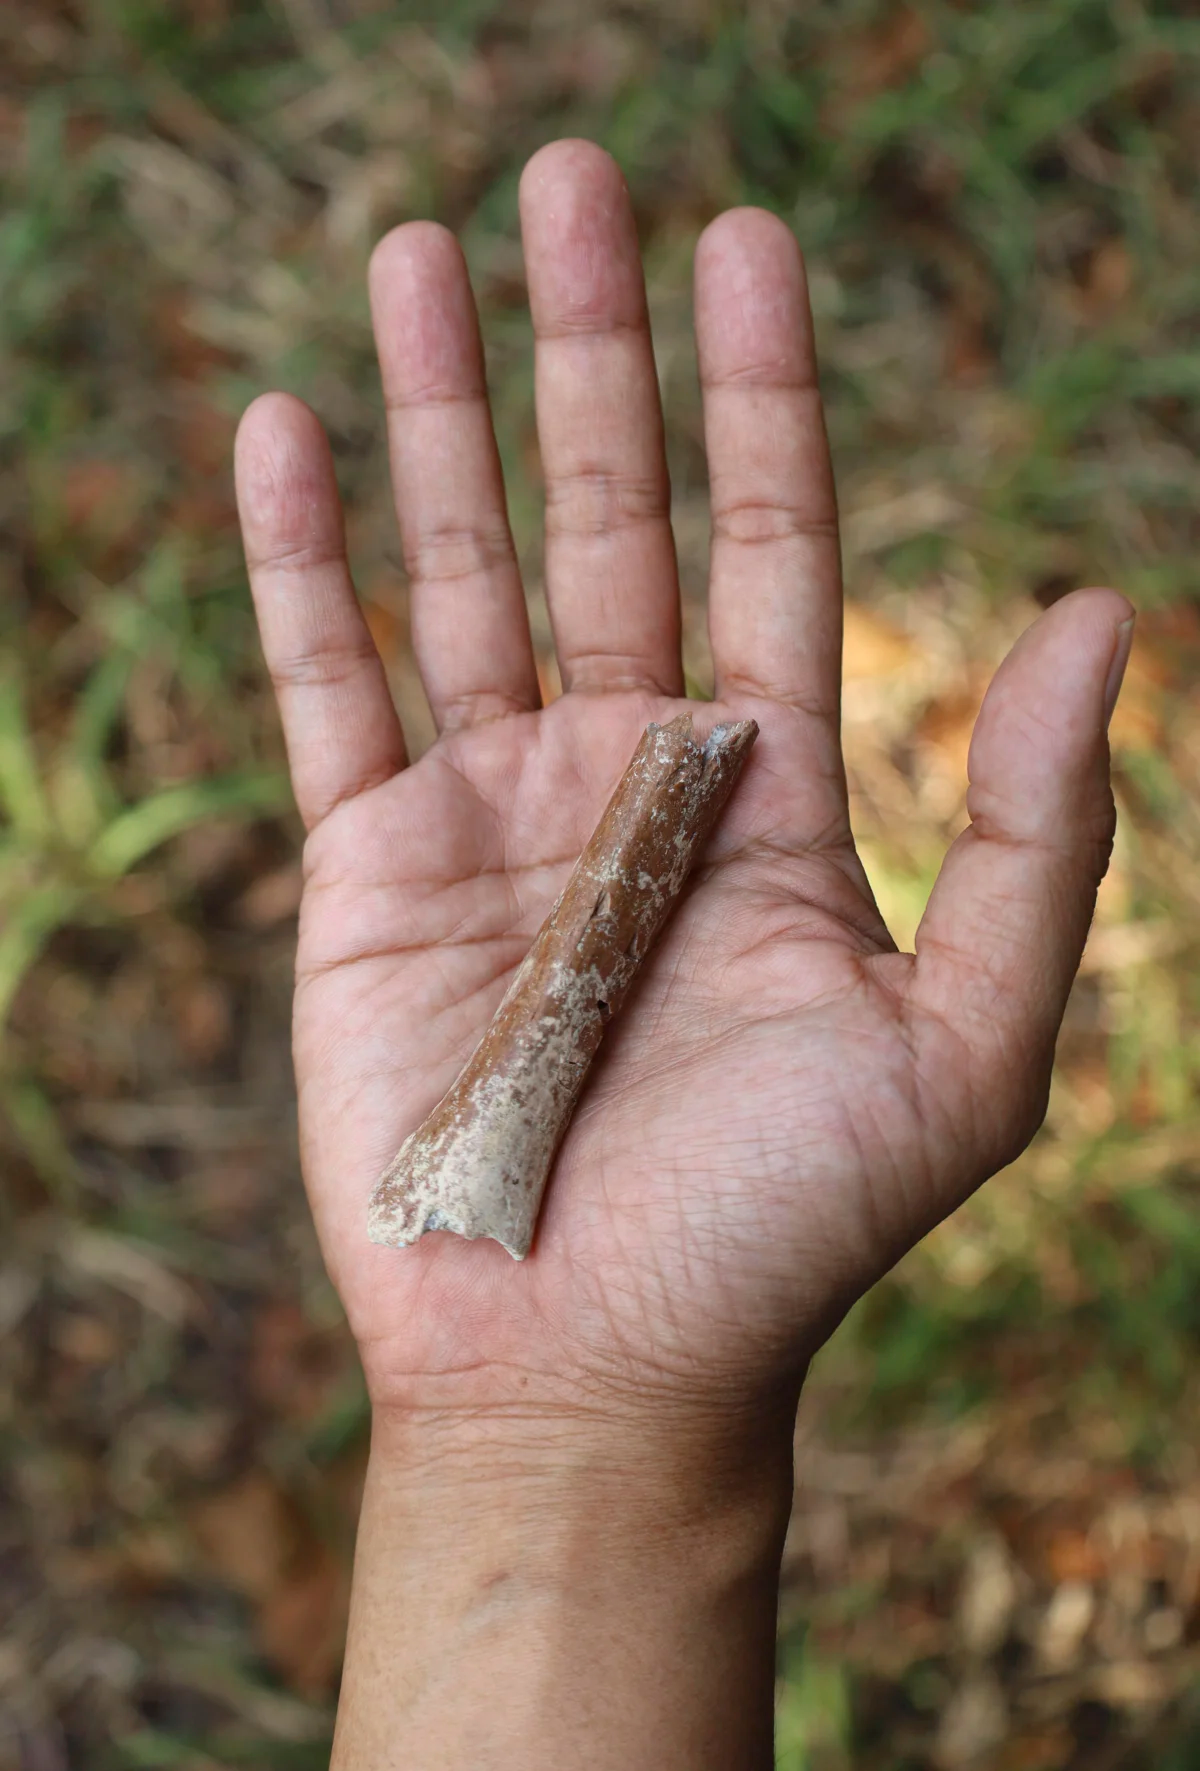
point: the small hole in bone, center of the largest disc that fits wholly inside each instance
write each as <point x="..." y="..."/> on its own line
<point x="603" y="903"/>
<point x="605" y="1011"/>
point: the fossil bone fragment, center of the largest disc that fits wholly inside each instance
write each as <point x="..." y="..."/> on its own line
<point x="479" y="1163"/>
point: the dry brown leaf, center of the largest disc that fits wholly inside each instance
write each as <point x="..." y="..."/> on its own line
<point x="85" y="1338"/>
<point x="247" y="1534"/>
<point x="944" y="735"/>
<point x="203" y="436"/>
<point x="293" y="1364"/>
<point x="1130" y="1684"/>
<point x="871" y="646"/>
<point x="186" y="355"/>
<point x="202" y="1015"/>
<point x="880" y="59"/>
<point x="387" y="628"/>
<point x="103" y="501"/>
<point x="302" y="1623"/>
<point x="1105" y="280"/>
<point x="273" y="898"/>
<point x="256" y="1539"/>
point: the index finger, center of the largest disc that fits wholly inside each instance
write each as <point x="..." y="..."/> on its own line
<point x="341" y="727"/>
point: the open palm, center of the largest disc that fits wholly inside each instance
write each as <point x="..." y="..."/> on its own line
<point x="786" y="1103"/>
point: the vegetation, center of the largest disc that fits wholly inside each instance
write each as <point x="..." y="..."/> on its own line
<point x="995" y="1558"/>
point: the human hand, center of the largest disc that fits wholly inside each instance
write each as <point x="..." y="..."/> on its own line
<point x="787" y="1103"/>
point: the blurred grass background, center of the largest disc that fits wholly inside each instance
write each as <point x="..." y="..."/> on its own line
<point x="995" y="1555"/>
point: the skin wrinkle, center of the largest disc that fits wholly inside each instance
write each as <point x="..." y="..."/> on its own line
<point x="781" y="522"/>
<point x="453" y="1004"/>
<point x="1060" y="850"/>
<point x="999" y="980"/>
<point x="352" y="788"/>
<point x="582" y="328"/>
<point x="434" y="397"/>
<point x="483" y="551"/>
<point x="436" y="884"/>
<point x="395" y="949"/>
<point x="621" y="494"/>
<point x="471" y="702"/>
<point x="833" y="847"/>
<point x="330" y="665"/>
<point x="632" y="681"/>
<point x="754" y="377"/>
<point x="302" y="556"/>
<point x="963" y="1065"/>
<point x="796" y="701"/>
<point x="452" y="1001"/>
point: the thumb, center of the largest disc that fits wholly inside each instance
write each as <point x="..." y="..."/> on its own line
<point x="1002" y="936"/>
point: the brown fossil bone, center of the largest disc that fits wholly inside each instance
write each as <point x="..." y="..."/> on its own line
<point x="479" y="1163"/>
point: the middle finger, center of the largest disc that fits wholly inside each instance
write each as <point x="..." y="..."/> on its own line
<point x="611" y="577"/>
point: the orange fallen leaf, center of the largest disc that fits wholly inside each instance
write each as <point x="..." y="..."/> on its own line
<point x="1071" y="1555"/>
<point x="871" y="646"/>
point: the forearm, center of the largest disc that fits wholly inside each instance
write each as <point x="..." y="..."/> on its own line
<point x="529" y="1598"/>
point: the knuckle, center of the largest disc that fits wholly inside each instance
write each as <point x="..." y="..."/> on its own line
<point x="323" y="667"/>
<point x="757" y="522"/>
<point x="597" y="501"/>
<point x="297" y="557"/>
<point x="458" y="550"/>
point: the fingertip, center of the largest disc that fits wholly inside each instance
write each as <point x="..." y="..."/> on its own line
<point x="413" y="252"/>
<point x="1102" y="618"/>
<point x="747" y="233"/>
<point x="426" y="326"/>
<point x="567" y="167"/>
<point x="282" y="463"/>
<point x="1038" y="762"/>
<point x="1068" y="651"/>
<point x="582" y="257"/>
<point x="753" y="321"/>
<point x="1097" y="609"/>
<point x="284" y="478"/>
<point x="1104" y="596"/>
<point x="271" y="422"/>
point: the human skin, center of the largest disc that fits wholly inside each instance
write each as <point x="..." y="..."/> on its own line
<point x="580" y="1470"/>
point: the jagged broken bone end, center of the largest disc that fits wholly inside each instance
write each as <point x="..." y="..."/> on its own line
<point x="409" y="1203"/>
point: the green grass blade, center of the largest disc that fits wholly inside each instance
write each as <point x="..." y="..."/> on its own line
<point x="22" y="796"/>
<point x="132" y="835"/>
<point x="26" y="933"/>
<point x="84" y="795"/>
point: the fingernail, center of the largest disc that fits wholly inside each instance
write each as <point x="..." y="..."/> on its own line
<point x="1116" y="669"/>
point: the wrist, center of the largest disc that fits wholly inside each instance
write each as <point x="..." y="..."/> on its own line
<point x="626" y="1471"/>
<point x="514" y="1572"/>
<point x="600" y="1479"/>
